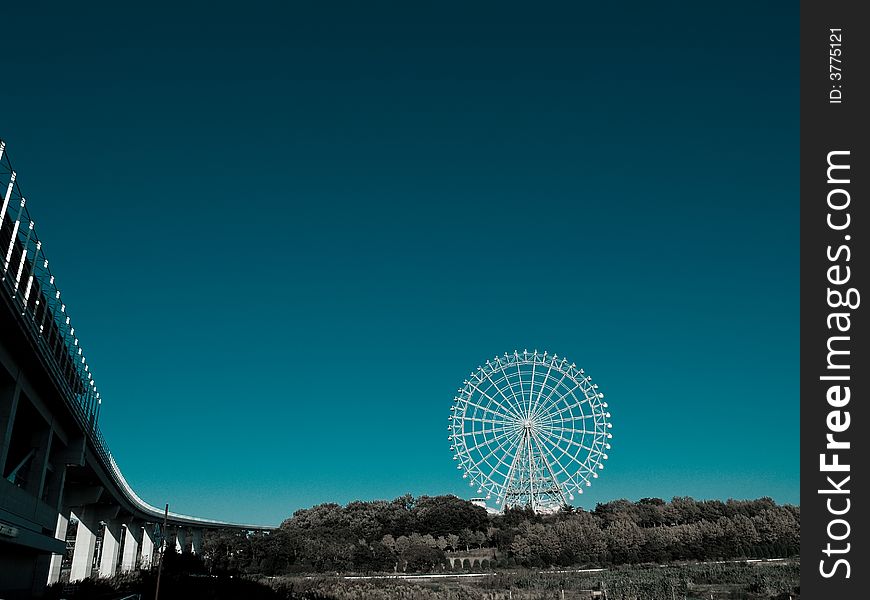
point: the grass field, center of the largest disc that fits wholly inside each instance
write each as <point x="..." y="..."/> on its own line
<point x="719" y="581"/>
<point x="704" y="581"/>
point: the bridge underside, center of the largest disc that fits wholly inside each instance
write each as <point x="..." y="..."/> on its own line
<point x="61" y="518"/>
<point x="65" y="506"/>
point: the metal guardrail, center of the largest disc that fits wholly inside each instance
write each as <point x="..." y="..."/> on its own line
<point x="31" y="291"/>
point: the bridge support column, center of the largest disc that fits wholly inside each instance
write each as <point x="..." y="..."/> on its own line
<point x="57" y="559"/>
<point x="180" y="540"/>
<point x="196" y="542"/>
<point x="132" y="541"/>
<point x="111" y="546"/>
<point x="83" y="553"/>
<point x="147" y="545"/>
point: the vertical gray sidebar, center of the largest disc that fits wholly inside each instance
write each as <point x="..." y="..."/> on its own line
<point x="835" y="225"/>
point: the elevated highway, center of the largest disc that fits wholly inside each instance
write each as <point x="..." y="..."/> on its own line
<point x="54" y="462"/>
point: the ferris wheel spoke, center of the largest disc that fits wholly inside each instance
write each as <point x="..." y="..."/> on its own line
<point x="482" y="420"/>
<point x="575" y="457"/>
<point x="563" y="468"/>
<point x="564" y="372"/>
<point x="532" y="388"/>
<point x="506" y="378"/>
<point x="559" y="422"/>
<point x="508" y="440"/>
<point x="578" y="402"/>
<point x="491" y="431"/>
<point x="515" y="411"/>
<point x="534" y="409"/>
<point x="551" y="406"/>
<point x="486" y="444"/>
<point x="494" y="432"/>
<point x="554" y="441"/>
<point x="518" y="365"/>
<point x="476" y="447"/>
<point x="570" y="441"/>
<point x="547" y="464"/>
<point x="495" y="470"/>
<point x="486" y="409"/>
<point x="583" y="417"/>
<point x="507" y="411"/>
<point x="549" y="401"/>
<point x="586" y="465"/>
<point x="553" y="429"/>
<point x="560" y="417"/>
<point x="565" y="429"/>
<point x="502" y="494"/>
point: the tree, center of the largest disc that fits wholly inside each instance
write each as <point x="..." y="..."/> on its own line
<point x="413" y="534"/>
<point x="466" y="538"/>
<point x="479" y="538"/>
<point x="624" y="540"/>
<point x="538" y="545"/>
<point x="651" y="512"/>
<point x="440" y="515"/>
<point x="581" y="541"/>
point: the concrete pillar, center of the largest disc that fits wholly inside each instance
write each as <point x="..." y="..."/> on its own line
<point x="57" y="559"/>
<point x="132" y="541"/>
<point x="180" y="539"/>
<point x="147" y="545"/>
<point x="196" y="542"/>
<point x="83" y="553"/>
<point x="111" y="546"/>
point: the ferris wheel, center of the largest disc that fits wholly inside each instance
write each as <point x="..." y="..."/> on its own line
<point x="529" y="429"/>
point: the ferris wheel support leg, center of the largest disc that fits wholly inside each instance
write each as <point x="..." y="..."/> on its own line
<point x="550" y="470"/>
<point x="507" y="480"/>
<point x="531" y="471"/>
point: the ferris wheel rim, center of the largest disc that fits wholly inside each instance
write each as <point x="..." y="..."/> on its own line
<point x="507" y="428"/>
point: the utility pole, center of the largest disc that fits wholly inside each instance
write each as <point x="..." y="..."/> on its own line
<point x="160" y="564"/>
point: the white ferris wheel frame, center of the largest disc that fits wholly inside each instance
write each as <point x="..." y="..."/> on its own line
<point x="529" y="429"/>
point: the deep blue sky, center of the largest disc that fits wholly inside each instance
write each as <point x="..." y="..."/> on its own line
<point x="286" y="234"/>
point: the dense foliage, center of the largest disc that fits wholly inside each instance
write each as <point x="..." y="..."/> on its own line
<point x="418" y="535"/>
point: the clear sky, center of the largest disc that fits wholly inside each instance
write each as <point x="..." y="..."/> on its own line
<point x="286" y="234"/>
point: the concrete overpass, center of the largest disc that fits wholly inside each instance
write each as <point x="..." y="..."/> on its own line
<point x="54" y="462"/>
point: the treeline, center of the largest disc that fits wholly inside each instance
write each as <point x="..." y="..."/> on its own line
<point x="419" y="534"/>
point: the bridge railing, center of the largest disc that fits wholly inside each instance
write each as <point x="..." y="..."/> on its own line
<point x="30" y="286"/>
<point x="30" y="289"/>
